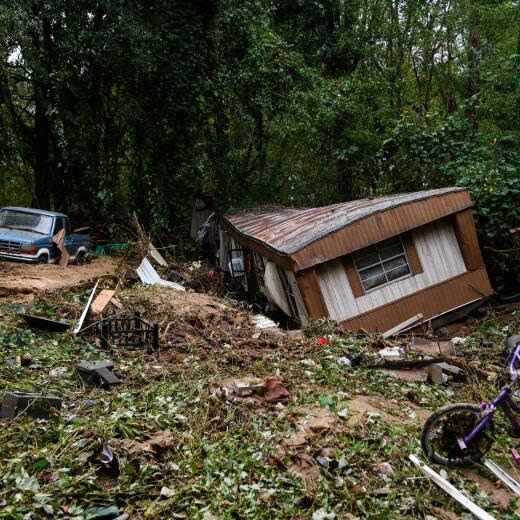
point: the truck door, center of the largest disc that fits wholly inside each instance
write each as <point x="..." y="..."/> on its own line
<point x="58" y="226"/>
<point x="69" y="242"/>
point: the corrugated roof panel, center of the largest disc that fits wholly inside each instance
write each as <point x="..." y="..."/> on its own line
<point x="287" y="230"/>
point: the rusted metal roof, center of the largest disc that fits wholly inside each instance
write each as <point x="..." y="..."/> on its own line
<point x="288" y="230"/>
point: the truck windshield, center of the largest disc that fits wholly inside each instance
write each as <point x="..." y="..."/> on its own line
<point x="24" y="221"/>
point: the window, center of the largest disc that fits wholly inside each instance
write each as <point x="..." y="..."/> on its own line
<point x="381" y="263"/>
<point x="25" y="221"/>
<point x="58" y="225"/>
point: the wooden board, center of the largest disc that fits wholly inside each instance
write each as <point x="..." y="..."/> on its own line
<point x="101" y="301"/>
<point x="85" y="310"/>
<point x="403" y="325"/>
<point x="157" y="256"/>
<point x="59" y="240"/>
<point x="451" y="490"/>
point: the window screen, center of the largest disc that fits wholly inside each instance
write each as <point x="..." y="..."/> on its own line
<point x="381" y="263"/>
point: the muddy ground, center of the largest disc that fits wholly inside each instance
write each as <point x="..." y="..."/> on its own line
<point x="185" y="447"/>
<point x="20" y="281"/>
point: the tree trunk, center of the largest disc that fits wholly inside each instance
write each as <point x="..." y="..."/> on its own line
<point x="474" y="65"/>
<point x="42" y="184"/>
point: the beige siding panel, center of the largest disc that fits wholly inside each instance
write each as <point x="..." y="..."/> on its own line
<point x="302" y="311"/>
<point x="336" y="290"/>
<point x="440" y="257"/>
<point x="274" y="288"/>
<point x="432" y="301"/>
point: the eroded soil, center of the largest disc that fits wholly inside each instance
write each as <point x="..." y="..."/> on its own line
<point x="19" y="281"/>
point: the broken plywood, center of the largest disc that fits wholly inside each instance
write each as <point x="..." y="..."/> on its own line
<point x="408" y="375"/>
<point x="434" y="348"/>
<point x="401" y="326"/>
<point x="101" y="301"/>
<point x="154" y="253"/>
<point x="59" y="240"/>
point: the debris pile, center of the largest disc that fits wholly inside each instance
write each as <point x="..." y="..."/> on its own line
<point x="223" y="414"/>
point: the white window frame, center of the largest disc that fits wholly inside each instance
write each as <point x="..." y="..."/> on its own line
<point x="380" y="263"/>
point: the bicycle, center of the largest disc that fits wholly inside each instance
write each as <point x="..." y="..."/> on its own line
<point x="460" y="434"/>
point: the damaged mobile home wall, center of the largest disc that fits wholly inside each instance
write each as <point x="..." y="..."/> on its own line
<point x="369" y="263"/>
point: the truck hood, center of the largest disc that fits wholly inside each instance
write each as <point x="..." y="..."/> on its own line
<point x="19" y="236"/>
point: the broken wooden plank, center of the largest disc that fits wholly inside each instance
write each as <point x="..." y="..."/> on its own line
<point x="405" y="364"/>
<point x="101" y="301"/>
<point x="156" y="255"/>
<point x="408" y="375"/>
<point x="435" y="373"/>
<point x="85" y="310"/>
<point x="507" y="479"/>
<point x="419" y="363"/>
<point x="403" y="325"/>
<point x="59" y="240"/>
<point x="451" y="490"/>
<point x="117" y="303"/>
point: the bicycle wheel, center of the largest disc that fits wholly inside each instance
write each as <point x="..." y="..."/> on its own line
<point x="441" y="431"/>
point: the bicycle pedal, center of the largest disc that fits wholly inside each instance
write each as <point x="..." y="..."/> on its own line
<point x="515" y="455"/>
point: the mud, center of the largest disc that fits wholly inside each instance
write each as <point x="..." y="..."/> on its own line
<point x="20" y="281"/>
<point x="386" y="410"/>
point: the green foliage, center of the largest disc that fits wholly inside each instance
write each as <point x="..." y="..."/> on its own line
<point x="106" y="109"/>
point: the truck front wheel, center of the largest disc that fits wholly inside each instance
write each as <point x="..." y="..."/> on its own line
<point x="43" y="259"/>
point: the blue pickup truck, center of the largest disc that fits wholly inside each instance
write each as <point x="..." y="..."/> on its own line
<point x="26" y="235"/>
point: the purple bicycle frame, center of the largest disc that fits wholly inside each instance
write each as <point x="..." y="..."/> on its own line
<point x="503" y="400"/>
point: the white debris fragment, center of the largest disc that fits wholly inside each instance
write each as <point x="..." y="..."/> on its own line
<point x="458" y="341"/>
<point x="322" y="514"/>
<point x="343" y="360"/>
<point x="149" y="276"/>
<point x="389" y="352"/>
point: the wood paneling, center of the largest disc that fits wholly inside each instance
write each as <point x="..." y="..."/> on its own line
<point x="430" y="302"/>
<point x="311" y="293"/>
<point x="468" y="240"/>
<point x="353" y="276"/>
<point x="336" y="291"/>
<point x="411" y="254"/>
<point x="438" y="253"/>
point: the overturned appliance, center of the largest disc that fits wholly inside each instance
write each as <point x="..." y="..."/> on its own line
<point x="130" y="332"/>
<point x="370" y="263"/>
